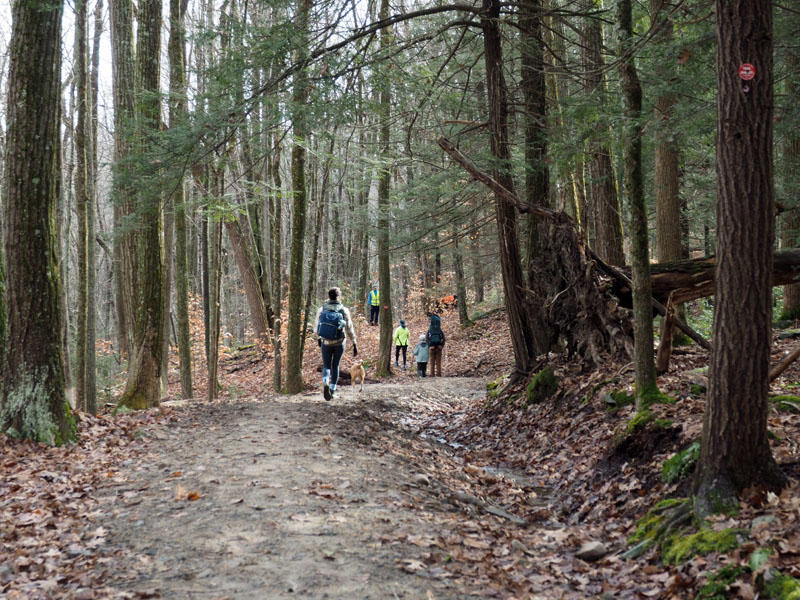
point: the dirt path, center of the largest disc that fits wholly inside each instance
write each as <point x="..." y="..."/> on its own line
<point x="291" y="497"/>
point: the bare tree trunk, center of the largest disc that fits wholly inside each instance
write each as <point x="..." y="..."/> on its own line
<point x="790" y="233"/>
<point x="634" y="190"/>
<point x="735" y="451"/>
<point x="461" y="286"/>
<point x="177" y="114"/>
<point x="214" y="275"/>
<point x="82" y="201"/>
<point x="605" y="226"/>
<point x="146" y="272"/>
<point x="386" y="320"/>
<point x="123" y="84"/>
<point x="276" y="245"/>
<point x="91" y="217"/>
<point x="246" y="263"/>
<point x="294" y="361"/>
<point x="33" y="375"/>
<point x="669" y="210"/>
<point x="522" y="334"/>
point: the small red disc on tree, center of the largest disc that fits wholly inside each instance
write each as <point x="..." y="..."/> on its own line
<point x="747" y="71"/>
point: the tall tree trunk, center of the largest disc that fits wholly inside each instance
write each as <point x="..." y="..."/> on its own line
<point x="33" y="401"/>
<point x="177" y="114"/>
<point x="166" y="299"/>
<point x="461" y="285"/>
<point x="275" y="249"/>
<point x="147" y="272"/>
<point x="790" y="233"/>
<point x="123" y="83"/>
<point x="214" y="276"/>
<point x="82" y="200"/>
<point x="63" y="212"/>
<point x="477" y="260"/>
<point x="522" y="334"/>
<point x="734" y="449"/>
<point x="91" y="217"/>
<point x="534" y="88"/>
<point x="386" y="320"/>
<point x="670" y="244"/>
<point x="634" y="191"/>
<point x="294" y="361"/>
<point x="240" y="236"/>
<point x="537" y="175"/>
<point x="605" y="224"/>
<point x="318" y="226"/>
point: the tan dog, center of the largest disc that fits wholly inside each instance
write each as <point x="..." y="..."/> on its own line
<point x="357" y="372"/>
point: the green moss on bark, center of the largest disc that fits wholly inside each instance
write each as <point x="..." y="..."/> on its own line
<point x="676" y="549"/>
<point x="542" y="386"/>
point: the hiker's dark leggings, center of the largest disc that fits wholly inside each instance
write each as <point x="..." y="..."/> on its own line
<point x="422" y="369"/>
<point x="397" y="353"/>
<point x="331" y="357"/>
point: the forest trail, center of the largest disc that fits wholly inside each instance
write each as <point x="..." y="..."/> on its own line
<point x="290" y="497"/>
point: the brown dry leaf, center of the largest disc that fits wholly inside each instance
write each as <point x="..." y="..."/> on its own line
<point x="193" y="495"/>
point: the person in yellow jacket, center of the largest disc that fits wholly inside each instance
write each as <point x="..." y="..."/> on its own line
<point x="400" y="337"/>
<point x="374" y="302"/>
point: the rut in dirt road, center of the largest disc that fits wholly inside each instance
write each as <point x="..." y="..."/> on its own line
<point x="290" y="497"/>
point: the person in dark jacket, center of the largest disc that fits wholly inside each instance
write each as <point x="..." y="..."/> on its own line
<point x="435" y="338"/>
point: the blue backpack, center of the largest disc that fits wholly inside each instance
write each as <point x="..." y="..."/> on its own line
<point x="331" y="325"/>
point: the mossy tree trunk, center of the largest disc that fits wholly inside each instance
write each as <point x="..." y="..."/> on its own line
<point x="33" y="398"/>
<point x="146" y="266"/>
<point x="383" y="366"/>
<point x="634" y="191"/>
<point x="294" y="359"/>
<point x="735" y="452"/>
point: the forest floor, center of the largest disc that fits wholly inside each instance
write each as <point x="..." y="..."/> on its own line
<point x="417" y="489"/>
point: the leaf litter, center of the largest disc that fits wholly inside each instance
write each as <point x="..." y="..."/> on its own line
<point x="424" y="461"/>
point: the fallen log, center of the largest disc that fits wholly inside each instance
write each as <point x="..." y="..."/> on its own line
<point x="693" y="279"/>
<point x="784" y="364"/>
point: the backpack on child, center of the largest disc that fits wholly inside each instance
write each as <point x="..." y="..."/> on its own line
<point x="331" y="325"/>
